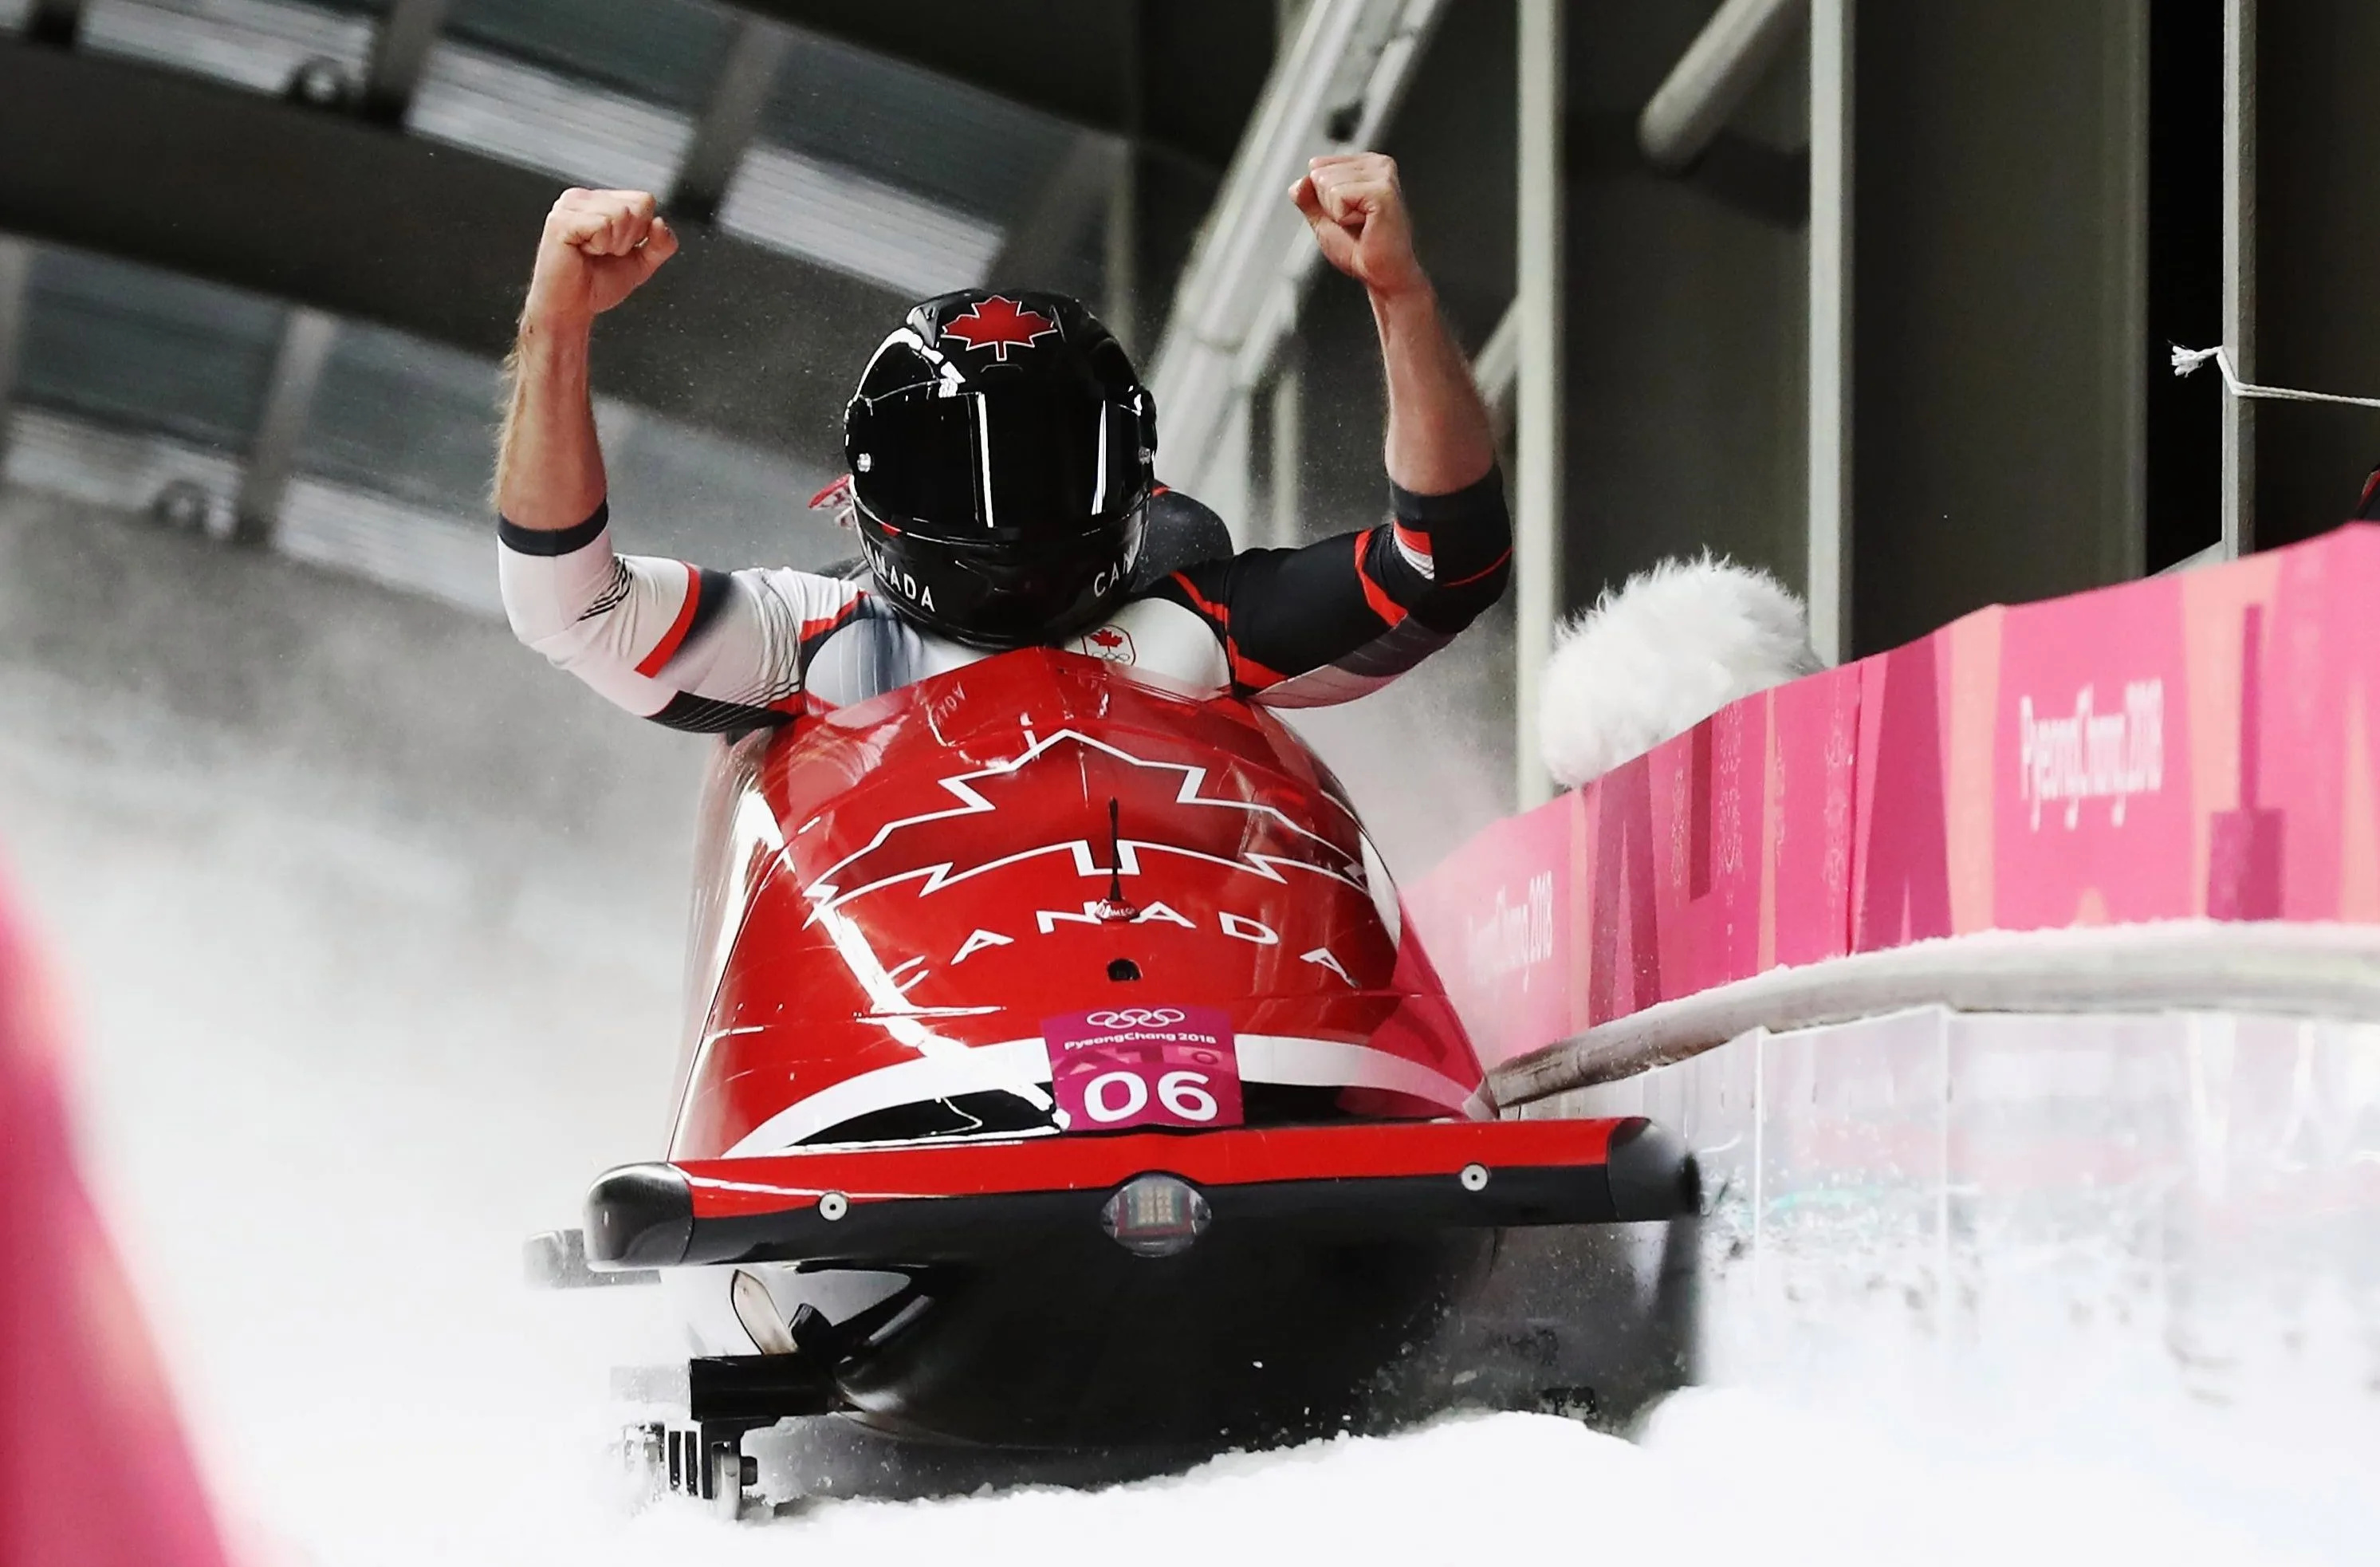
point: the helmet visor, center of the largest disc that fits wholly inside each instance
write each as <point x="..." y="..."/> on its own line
<point x="1009" y="464"/>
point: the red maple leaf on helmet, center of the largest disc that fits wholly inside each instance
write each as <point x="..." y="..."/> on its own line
<point x="1108" y="636"/>
<point x="998" y="324"/>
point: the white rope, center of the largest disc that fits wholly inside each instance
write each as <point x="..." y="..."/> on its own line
<point x="2188" y="360"/>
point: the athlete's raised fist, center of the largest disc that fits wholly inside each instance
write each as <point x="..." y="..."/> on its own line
<point x="598" y="248"/>
<point x="1357" y="211"/>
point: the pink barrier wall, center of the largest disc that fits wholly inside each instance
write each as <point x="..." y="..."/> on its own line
<point x="93" y="1469"/>
<point x="2196" y="745"/>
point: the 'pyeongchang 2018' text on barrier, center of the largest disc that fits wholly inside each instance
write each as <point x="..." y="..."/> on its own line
<point x="2092" y="756"/>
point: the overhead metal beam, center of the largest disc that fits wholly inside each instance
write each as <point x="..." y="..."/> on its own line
<point x="1497" y="369"/>
<point x="1122" y="268"/>
<point x="16" y="289"/>
<point x="400" y="51"/>
<point x="1286" y="500"/>
<point x="1827" y="577"/>
<point x="1331" y="90"/>
<point x="1757" y="178"/>
<point x="1285" y="394"/>
<point x="731" y="119"/>
<point x="1726" y="62"/>
<point x="1537" y="576"/>
<point x="1120" y="254"/>
<point x="306" y="340"/>
<point x="1037" y="248"/>
<point x="1069" y="59"/>
<point x="54" y="22"/>
<point x="2123" y="316"/>
<point x="2240" y="273"/>
<point x="112" y="132"/>
<point x="2211" y="555"/>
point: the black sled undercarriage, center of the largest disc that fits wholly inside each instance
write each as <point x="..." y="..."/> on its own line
<point x="1117" y="1330"/>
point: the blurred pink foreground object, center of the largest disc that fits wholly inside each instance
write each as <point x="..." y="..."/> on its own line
<point x="93" y="1469"/>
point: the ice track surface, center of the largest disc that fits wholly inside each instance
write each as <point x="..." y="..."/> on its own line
<point x="345" y="1042"/>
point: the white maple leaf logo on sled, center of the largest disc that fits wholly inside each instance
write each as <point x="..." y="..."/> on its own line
<point x="1263" y="841"/>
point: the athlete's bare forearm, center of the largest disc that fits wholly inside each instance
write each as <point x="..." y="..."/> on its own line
<point x="599" y="246"/>
<point x="1439" y="437"/>
<point x="549" y="463"/>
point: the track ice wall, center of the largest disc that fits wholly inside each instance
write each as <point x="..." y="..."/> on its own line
<point x="2149" y="1239"/>
<point x="2068" y="1227"/>
<point x="2197" y="1188"/>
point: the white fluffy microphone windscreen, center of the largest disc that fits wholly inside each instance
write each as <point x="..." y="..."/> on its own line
<point x="1671" y="647"/>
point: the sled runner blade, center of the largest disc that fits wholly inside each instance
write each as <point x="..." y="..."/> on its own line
<point x="556" y="1260"/>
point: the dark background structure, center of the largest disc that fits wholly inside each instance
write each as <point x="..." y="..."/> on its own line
<point x="259" y="260"/>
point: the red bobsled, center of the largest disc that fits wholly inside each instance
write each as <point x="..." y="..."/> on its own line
<point x="1063" y="1073"/>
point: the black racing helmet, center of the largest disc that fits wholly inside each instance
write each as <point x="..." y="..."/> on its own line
<point x="999" y="447"/>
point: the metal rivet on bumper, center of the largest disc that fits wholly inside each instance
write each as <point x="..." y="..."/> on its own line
<point x="1474" y="1177"/>
<point x="834" y="1205"/>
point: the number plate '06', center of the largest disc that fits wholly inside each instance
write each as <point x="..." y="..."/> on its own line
<point x="1117" y="1067"/>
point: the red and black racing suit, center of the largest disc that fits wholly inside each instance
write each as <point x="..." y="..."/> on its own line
<point x="713" y="650"/>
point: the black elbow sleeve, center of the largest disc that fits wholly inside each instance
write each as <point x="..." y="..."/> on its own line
<point x="1467" y="536"/>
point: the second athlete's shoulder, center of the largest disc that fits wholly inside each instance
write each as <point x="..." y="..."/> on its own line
<point x="1181" y="532"/>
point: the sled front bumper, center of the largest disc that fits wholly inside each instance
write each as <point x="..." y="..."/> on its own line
<point x="961" y="1202"/>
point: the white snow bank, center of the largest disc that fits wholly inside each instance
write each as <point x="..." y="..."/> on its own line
<point x="1719" y="1477"/>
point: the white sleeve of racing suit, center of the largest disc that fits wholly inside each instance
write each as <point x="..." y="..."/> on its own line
<point x="684" y="646"/>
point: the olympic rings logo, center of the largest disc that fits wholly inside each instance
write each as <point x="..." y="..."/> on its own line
<point x="1138" y="1017"/>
